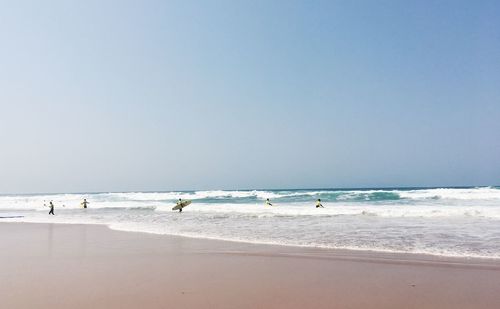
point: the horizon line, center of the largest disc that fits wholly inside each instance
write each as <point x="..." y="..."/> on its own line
<point x="268" y="189"/>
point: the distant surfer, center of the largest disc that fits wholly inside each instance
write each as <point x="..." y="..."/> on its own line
<point x="51" y="205"/>
<point x="179" y="203"/>
<point x="85" y="203"/>
<point x="268" y="203"/>
<point x="318" y="204"/>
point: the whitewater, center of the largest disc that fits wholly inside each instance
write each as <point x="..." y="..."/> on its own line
<point x="455" y="222"/>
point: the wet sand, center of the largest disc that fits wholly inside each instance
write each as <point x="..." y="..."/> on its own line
<point x="89" y="266"/>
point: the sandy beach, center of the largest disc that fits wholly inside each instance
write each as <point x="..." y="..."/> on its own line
<point x="91" y="266"/>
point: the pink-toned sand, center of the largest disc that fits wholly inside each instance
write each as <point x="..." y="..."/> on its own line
<point x="85" y="266"/>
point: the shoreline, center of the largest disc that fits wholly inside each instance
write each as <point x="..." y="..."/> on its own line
<point x="80" y="266"/>
<point x="336" y="251"/>
<point x="392" y="255"/>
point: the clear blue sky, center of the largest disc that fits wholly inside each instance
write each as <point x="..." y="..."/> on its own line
<point x="162" y="95"/>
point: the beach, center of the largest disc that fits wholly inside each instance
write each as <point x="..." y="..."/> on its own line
<point x="85" y="266"/>
<point x="250" y="154"/>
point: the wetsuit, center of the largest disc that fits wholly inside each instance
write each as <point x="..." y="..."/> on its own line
<point x="51" y="212"/>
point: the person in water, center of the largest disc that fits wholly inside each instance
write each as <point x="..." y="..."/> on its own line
<point x="268" y="203"/>
<point x="179" y="203"/>
<point x="51" y="205"/>
<point x="318" y="204"/>
<point x="85" y="203"/>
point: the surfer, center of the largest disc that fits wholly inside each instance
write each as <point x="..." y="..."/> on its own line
<point x="318" y="204"/>
<point x="85" y="203"/>
<point x="51" y="205"/>
<point x="268" y="203"/>
<point x="179" y="203"/>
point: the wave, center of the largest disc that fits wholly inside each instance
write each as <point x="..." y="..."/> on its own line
<point x="481" y="193"/>
<point x="329" y="195"/>
<point x="404" y="197"/>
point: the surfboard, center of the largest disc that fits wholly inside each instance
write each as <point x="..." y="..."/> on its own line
<point x="181" y="205"/>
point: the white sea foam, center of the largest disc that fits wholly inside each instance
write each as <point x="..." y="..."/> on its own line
<point x="485" y="193"/>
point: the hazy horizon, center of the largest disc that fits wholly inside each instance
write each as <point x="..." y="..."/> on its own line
<point x="253" y="189"/>
<point x="120" y="96"/>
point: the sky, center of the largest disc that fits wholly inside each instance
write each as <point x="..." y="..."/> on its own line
<point x="100" y="96"/>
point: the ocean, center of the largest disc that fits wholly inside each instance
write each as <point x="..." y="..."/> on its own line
<point x="453" y="222"/>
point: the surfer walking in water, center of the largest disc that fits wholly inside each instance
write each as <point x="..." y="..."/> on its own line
<point x="51" y="205"/>
<point x="318" y="204"/>
<point x="179" y="203"/>
<point x="268" y="203"/>
<point x="85" y="203"/>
